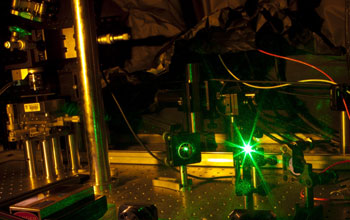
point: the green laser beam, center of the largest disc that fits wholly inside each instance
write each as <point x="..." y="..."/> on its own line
<point x="244" y="158"/>
<point x="238" y="132"/>
<point x="235" y="155"/>
<point x="253" y="129"/>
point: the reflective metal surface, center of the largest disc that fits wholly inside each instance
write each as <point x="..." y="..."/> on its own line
<point x="48" y="160"/>
<point x="14" y="180"/>
<point x="206" y="199"/>
<point x="57" y="156"/>
<point x="30" y="158"/>
<point x="183" y="176"/>
<point x="344" y="133"/>
<point x="111" y="38"/>
<point x="214" y="199"/>
<point x="216" y="159"/>
<point x="90" y="91"/>
<point x="74" y="153"/>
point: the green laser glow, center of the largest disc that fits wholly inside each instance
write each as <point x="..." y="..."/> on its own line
<point x="244" y="186"/>
<point x="253" y="129"/>
<point x="19" y="30"/>
<point x="237" y="154"/>
<point x="244" y="158"/>
<point x="247" y="148"/>
<point x="266" y="188"/>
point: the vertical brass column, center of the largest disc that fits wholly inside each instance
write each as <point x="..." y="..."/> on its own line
<point x="344" y="133"/>
<point x="184" y="178"/>
<point x="30" y="159"/>
<point x="57" y="156"/>
<point x="48" y="160"/>
<point x="90" y="92"/>
<point x="192" y="111"/>
<point x="74" y="153"/>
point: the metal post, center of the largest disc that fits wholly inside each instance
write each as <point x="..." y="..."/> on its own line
<point x="249" y="201"/>
<point x="193" y="97"/>
<point x="246" y="176"/>
<point x="344" y="133"/>
<point x="192" y="111"/>
<point x="48" y="161"/>
<point x="309" y="197"/>
<point x="74" y="154"/>
<point x="184" y="180"/>
<point x="30" y="159"/>
<point x="254" y="178"/>
<point x="57" y="156"/>
<point x="90" y="92"/>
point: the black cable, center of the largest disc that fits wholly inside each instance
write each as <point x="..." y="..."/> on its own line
<point x="273" y="125"/>
<point x="8" y="85"/>
<point x="278" y="119"/>
<point x="293" y="83"/>
<point x="309" y="123"/>
<point x="271" y="136"/>
<point x="143" y="145"/>
<point x="128" y="124"/>
<point x="304" y="95"/>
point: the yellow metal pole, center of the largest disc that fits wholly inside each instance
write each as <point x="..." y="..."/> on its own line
<point x="90" y="92"/>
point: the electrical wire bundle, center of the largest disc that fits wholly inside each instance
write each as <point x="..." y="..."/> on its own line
<point x="5" y="87"/>
<point x="329" y="81"/>
<point x="298" y="120"/>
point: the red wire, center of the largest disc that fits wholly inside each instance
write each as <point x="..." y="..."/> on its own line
<point x="315" y="198"/>
<point x="335" y="164"/>
<point x="298" y="61"/>
<point x="310" y="65"/>
<point x="324" y="170"/>
<point x="346" y="108"/>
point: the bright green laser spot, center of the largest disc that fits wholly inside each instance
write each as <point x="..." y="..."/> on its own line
<point x="248" y="149"/>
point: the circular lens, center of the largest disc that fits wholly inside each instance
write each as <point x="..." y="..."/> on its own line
<point x="185" y="150"/>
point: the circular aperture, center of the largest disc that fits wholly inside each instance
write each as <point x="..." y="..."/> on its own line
<point x="185" y="151"/>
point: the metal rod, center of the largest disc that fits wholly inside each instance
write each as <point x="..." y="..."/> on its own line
<point x="193" y="122"/>
<point x="344" y="133"/>
<point x="74" y="154"/>
<point x="254" y="178"/>
<point x="90" y="92"/>
<point x="246" y="177"/>
<point x="193" y="97"/>
<point x="30" y="159"/>
<point x="309" y="197"/>
<point x="57" y="156"/>
<point x="249" y="201"/>
<point x="48" y="160"/>
<point x="232" y="128"/>
<point x="184" y="180"/>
